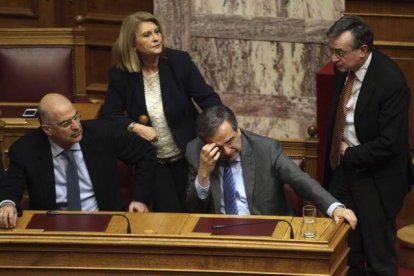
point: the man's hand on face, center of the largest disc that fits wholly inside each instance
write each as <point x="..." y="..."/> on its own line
<point x="209" y="155"/>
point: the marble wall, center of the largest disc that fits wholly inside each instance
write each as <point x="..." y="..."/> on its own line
<point x="261" y="56"/>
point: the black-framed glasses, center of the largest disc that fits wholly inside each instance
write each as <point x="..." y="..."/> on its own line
<point x="67" y="123"/>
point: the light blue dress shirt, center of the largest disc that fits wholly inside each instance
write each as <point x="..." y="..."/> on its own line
<point x="88" y="200"/>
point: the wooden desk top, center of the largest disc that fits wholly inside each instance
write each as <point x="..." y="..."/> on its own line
<point x="164" y="244"/>
<point x="178" y="225"/>
<point x="405" y="236"/>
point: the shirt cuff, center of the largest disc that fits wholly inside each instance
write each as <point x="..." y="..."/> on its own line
<point x="332" y="208"/>
<point x="7" y="201"/>
<point x="202" y="192"/>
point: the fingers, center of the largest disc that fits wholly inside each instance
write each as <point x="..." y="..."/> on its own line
<point x="139" y="207"/>
<point x="210" y="152"/>
<point x="8" y="217"/>
<point x="347" y="214"/>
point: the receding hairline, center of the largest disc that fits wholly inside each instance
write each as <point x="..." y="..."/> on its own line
<point x="52" y="103"/>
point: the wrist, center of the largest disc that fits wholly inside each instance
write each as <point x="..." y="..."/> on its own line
<point x="130" y="128"/>
<point x="203" y="180"/>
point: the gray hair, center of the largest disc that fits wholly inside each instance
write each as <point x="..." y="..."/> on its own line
<point x="361" y="32"/>
<point x="211" y="118"/>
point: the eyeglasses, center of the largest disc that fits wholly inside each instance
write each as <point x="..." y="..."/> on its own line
<point x="67" y="123"/>
<point x="339" y="53"/>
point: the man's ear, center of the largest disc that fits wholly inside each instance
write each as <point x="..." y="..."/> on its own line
<point x="364" y="50"/>
<point x="47" y="130"/>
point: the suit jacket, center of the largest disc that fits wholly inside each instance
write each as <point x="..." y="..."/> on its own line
<point x="31" y="167"/>
<point x="381" y="125"/>
<point x="181" y="82"/>
<point x="265" y="169"/>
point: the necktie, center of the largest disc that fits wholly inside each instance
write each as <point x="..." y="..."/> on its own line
<point x="72" y="183"/>
<point x="229" y="191"/>
<point x="340" y="121"/>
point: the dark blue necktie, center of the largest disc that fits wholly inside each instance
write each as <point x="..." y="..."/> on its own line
<point x="72" y="183"/>
<point x="229" y="191"/>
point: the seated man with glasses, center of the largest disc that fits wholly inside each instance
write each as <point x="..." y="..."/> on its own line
<point x="235" y="171"/>
<point x="69" y="164"/>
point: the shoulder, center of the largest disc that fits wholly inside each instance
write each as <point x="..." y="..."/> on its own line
<point x="30" y="142"/>
<point x="258" y="139"/>
<point x="195" y="145"/>
<point x="193" y="149"/>
<point x="116" y="74"/>
<point x="259" y="145"/>
<point x="176" y="57"/>
<point x="385" y="66"/>
<point x="176" y="54"/>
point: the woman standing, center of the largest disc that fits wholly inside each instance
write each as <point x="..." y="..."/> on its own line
<point x="151" y="92"/>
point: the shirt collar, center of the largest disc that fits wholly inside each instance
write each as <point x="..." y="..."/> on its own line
<point x="360" y="73"/>
<point x="56" y="150"/>
<point x="222" y="163"/>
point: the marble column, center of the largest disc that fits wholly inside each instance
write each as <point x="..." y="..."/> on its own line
<point x="261" y="56"/>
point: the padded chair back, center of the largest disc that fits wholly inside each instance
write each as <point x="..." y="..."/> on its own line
<point x="37" y="61"/>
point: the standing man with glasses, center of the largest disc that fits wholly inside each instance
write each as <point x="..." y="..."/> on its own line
<point x="69" y="164"/>
<point x="368" y="165"/>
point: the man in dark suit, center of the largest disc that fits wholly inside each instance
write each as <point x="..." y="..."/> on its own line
<point x="368" y="167"/>
<point x="259" y="168"/>
<point x="38" y="163"/>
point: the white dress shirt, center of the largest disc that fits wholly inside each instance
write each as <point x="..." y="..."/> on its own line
<point x="349" y="129"/>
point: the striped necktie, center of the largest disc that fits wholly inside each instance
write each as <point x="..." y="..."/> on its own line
<point x="334" y="156"/>
<point x="72" y="183"/>
<point x="229" y="191"/>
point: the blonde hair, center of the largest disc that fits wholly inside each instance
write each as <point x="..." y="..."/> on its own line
<point x="123" y="51"/>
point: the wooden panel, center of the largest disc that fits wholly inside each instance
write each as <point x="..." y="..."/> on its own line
<point x="164" y="244"/>
<point x="29" y="13"/>
<point x="98" y="62"/>
<point x="102" y="20"/>
<point x="382" y="24"/>
<point x="308" y="149"/>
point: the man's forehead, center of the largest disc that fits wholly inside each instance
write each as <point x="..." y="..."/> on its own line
<point x="342" y="40"/>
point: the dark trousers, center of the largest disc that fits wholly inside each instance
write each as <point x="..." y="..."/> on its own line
<point x="169" y="189"/>
<point x="373" y="242"/>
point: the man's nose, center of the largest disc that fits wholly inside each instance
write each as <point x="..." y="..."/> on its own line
<point x="75" y="124"/>
<point x="226" y="150"/>
<point x="334" y="58"/>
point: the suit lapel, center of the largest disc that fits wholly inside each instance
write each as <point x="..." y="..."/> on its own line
<point x="248" y="167"/>
<point x="215" y="188"/>
<point x="136" y="94"/>
<point x="46" y="170"/>
<point x="167" y="81"/>
<point x="90" y="152"/>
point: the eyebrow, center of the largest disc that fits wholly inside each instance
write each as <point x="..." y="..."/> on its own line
<point x="70" y="119"/>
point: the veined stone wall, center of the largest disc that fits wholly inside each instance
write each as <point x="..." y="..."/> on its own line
<point x="261" y="56"/>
